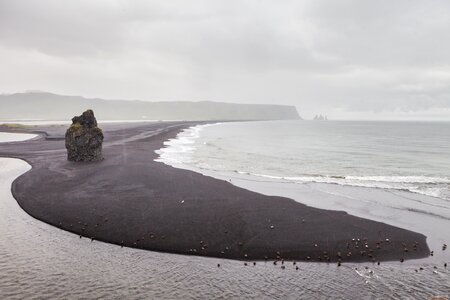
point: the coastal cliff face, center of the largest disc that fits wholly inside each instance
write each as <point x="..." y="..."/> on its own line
<point x="50" y="106"/>
<point x="84" y="139"/>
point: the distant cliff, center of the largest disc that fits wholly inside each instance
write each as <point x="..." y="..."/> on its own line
<point x="40" y="105"/>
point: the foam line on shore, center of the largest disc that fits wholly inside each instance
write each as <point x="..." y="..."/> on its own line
<point x="179" y="152"/>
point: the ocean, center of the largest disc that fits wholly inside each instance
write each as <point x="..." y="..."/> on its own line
<point x="39" y="261"/>
<point x="404" y="156"/>
<point x="392" y="172"/>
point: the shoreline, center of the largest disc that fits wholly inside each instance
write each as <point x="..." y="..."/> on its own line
<point x="390" y="206"/>
<point x="138" y="205"/>
<point x="36" y="253"/>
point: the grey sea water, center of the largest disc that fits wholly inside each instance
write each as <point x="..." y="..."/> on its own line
<point x="38" y="261"/>
<point x="410" y="156"/>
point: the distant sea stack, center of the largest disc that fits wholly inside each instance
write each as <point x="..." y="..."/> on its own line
<point x="84" y="139"/>
<point x="320" y="118"/>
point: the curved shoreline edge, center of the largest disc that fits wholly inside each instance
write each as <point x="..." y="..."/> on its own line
<point x="129" y="199"/>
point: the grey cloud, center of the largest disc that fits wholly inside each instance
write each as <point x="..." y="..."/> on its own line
<point x="323" y="56"/>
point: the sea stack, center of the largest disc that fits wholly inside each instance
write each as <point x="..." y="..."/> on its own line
<point x="84" y="139"/>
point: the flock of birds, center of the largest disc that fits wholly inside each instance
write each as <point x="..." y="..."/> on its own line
<point x="356" y="243"/>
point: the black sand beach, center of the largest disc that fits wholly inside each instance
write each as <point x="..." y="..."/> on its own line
<point x="129" y="199"/>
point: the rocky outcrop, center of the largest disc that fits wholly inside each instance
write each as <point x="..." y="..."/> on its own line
<point x="84" y="139"/>
<point x="320" y="118"/>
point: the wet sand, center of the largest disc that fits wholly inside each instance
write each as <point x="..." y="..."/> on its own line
<point x="129" y="199"/>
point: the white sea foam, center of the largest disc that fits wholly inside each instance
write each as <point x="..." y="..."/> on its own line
<point x="430" y="186"/>
<point x="179" y="150"/>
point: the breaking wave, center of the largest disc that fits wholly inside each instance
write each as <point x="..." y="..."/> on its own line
<point x="430" y="186"/>
<point x="180" y="151"/>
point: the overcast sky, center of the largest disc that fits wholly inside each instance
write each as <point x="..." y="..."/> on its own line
<point x="347" y="59"/>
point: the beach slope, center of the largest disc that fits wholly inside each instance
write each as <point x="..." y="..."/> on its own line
<point x="130" y="199"/>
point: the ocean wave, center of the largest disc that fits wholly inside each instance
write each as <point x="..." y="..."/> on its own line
<point x="425" y="185"/>
<point x="179" y="151"/>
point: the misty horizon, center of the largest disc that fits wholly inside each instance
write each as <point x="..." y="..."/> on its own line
<point x="308" y="116"/>
<point x="353" y="60"/>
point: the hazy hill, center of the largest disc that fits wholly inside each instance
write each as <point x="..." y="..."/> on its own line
<point x="41" y="105"/>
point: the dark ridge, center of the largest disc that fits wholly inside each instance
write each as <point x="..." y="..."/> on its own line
<point x="48" y="106"/>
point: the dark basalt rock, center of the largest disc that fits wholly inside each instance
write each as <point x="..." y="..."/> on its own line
<point x="84" y="139"/>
